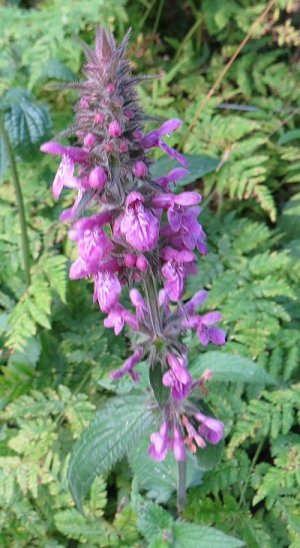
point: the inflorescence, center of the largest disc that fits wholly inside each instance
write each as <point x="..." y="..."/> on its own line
<point x="137" y="235"/>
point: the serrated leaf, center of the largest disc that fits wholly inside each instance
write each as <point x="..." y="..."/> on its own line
<point x="26" y="122"/>
<point x="230" y="368"/>
<point x="113" y="433"/>
<point x="190" y="535"/>
<point x="57" y="70"/>
<point x="198" y="166"/>
<point x="153" y="519"/>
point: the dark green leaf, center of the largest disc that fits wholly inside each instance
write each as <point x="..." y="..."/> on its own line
<point x="26" y="122"/>
<point x="209" y="457"/>
<point x="57" y="70"/>
<point x="198" y="166"/>
<point x="230" y="368"/>
<point x="161" y="392"/>
<point x="289" y="136"/>
<point x="289" y="221"/>
<point x="115" y="430"/>
<point x="190" y="535"/>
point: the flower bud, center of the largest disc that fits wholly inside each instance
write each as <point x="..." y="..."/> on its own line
<point x="97" y="178"/>
<point x="114" y="129"/>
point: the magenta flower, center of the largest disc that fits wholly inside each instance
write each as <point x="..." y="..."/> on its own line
<point x="76" y="154"/>
<point x="139" y="226"/>
<point x="97" y="178"/>
<point x="175" y="271"/>
<point x="128" y="366"/>
<point x="138" y="302"/>
<point x="172" y="177"/>
<point x="117" y="318"/>
<point x="212" y="430"/>
<point x="160" y="443"/>
<point x="64" y="177"/>
<point x="107" y="290"/>
<point x="154" y="139"/>
<point x="178" y="444"/>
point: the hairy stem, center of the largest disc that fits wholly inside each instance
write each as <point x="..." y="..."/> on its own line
<point x="181" y="486"/>
<point x="20" y="202"/>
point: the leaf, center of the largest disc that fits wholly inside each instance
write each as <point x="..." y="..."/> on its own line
<point x="161" y="392"/>
<point x="190" y="535"/>
<point x="160" y="478"/>
<point x="26" y="122"/>
<point x="230" y="368"/>
<point x="57" y="70"/>
<point x="198" y="166"/>
<point x="289" y="136"/>
<point x="152" y="519"/>
<point x="115" y="430"/>
<point x="289" y="221"/>
<point x="209" y="457"/>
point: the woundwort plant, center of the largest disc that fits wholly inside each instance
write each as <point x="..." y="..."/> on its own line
<point x="138" y="238"/>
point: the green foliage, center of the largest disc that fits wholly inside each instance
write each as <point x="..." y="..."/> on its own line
<point x="230" y="368"/>
<point x="160" y="529"/>
<point x="34" y="307"/>
<point x="115" y="430"/>
<point x="29" y="53"/>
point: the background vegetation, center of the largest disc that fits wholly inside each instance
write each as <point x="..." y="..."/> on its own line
<point x="56" y="355"/>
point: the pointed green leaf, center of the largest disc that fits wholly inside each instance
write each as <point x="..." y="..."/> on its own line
<point x="230" y="368"/>
<point x="161" y="392"/>
<point x="115" y="430"/>
<point x="209" y="457"/>
<point x="26" y="122"/>
<point x="198" y="166"/>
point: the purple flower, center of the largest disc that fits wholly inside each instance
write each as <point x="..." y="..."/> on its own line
<point x="140" y="169"/>
<point x="81" y="269"/>
<point x="64" y="177"/>
<point x="128" y="366"/>
<point x="175" y="271"/>
<point x="197" y="300"/>
<point x="138" y="302"/>
<point x="89" y="140"/>
<point x="177" y="378"/>
<point x="205" y="329"/>
<point x="76" y="154"/>
<point x="174" y="175"/>
<point x="114" y="129"/>
<point x="154" y="139"/>
<point x="187" y="228"/>
<point x="107" y="290"/>
<point x="117" y="318"/>
<point x="176" y="204"/>
<point x="178" y="444"/>
<point x="93" y="242"/>
<point x="97" y="178"/>
<point x="139" y="226"/>
<point x="211" y="429"/>
<point x="179" y="390"/>
<point x="160" y="443"/>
